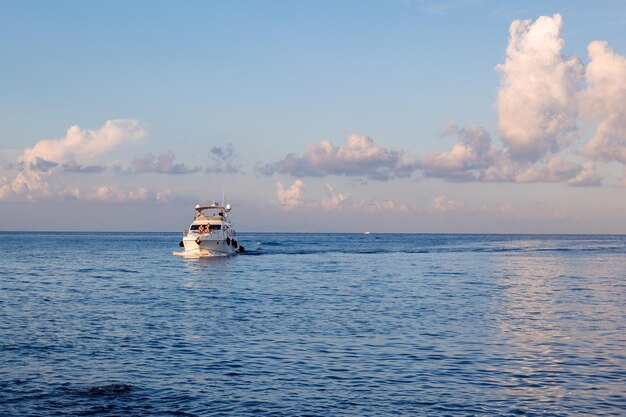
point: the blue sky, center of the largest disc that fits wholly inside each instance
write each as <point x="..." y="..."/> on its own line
<point x="314" y="116"/>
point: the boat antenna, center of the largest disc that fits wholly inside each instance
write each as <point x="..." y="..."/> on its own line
<point x="222" y="196"/>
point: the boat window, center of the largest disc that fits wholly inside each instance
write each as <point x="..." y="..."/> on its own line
<point x="216" y="226"/>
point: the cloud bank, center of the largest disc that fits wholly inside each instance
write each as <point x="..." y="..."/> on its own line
<point x="359" y="156"/>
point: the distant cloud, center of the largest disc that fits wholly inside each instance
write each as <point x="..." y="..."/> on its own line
<point x="467" y="157"/>
<point x="537" y="104"/>
<point x="222" y="153"/>
<point x="374" y="205"/>
<point x="441" y="204"/>
<point x="222" y="160"/>
<point x="444" y="206"/>
<point x="39" y="164"/>
<point x="79" y="169"/>
<point x="160" y="164"/>
<point x="112" y="194"/>
<point x="558" y="169"/>
<point x="334" y="200"/>
<point x="605" y="102"/>
<point x="587" y="176"/>
<point x="360" y="156"/>
<point x="291" y="197"/>
<point x="5" y="187"/>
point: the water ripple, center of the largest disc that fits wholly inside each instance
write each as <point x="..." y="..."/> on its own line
<point x="111" y="324"/>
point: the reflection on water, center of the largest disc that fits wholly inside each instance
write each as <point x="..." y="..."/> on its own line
<point x="563" y="324"/>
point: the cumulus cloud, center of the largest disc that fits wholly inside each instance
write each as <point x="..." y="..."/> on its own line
<point x="537" y="104"/>
<point x="539" y="101"/>
<point x="473" y="159"/>
<point x="605" y="102"/>
<point x="470" y="154"/>
<point x="291" y="197"/>
<point x="35" y="164"/>
<point x="160" y="164"/>
<point x="360" y="156"/>
<point x="85" y="144"/>
<point x="541" y="95"/>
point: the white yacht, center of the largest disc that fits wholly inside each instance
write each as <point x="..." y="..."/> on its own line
<point x="210" y="234"/>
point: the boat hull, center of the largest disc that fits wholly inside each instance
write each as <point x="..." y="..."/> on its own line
<point x="199" y="247"/>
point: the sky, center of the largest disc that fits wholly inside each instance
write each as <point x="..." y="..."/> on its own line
<point x="413" y="116"/>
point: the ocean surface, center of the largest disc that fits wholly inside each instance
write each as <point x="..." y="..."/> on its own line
<point x="111" y="324"/>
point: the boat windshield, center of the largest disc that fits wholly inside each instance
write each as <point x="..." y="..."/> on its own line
<point x="211" y="226"/>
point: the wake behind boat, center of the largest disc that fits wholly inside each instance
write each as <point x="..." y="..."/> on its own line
<point x="210" y="234"/>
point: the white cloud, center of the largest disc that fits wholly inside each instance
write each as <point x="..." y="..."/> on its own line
<point x="35" y="164"/>
<point x="537" y="104"/>
<point x="473" y="159"/>
<point x="290" y="197"/>
<point x="605" y="102"/>
<point x="471" y="152"/>
<point x="360" y="156"/>
<point x="85" y="144"/>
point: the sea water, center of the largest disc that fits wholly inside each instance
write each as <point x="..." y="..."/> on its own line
<point x="111" y="324"/>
